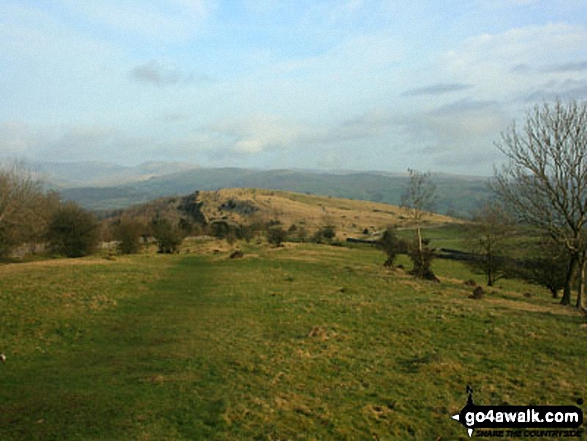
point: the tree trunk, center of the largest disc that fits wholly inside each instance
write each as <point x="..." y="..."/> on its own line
<point x="566" y="300"/>
<point x="581" y="288"/>
<point x="419" y="234"/>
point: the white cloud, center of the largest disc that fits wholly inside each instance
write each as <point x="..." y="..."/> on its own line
<point x="490" y="61"/>
<point x="17" y="139"/>
<point x="258" y="133"/>
<point x="75" y="142"/>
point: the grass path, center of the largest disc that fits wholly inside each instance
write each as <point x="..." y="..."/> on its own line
<point x="135" y="373"/>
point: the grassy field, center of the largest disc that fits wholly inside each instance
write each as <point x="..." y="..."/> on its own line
<point x="299" y="342"/>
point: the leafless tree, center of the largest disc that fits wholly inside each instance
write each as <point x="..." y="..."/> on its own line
<point x="418" y="199"/>
<point x="24" y="206"/>
<point x="544" y="183"/>
<point x="486" y="236"/>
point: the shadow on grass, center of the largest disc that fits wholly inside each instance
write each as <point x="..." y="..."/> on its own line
<point x="127" y="377"/>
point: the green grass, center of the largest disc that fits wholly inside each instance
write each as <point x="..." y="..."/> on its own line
<point x="301" y="342"/>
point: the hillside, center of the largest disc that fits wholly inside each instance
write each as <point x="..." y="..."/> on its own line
<point x="456" y="195"/>
<point x="244" y="206"/>
<point x="303" y="341"/>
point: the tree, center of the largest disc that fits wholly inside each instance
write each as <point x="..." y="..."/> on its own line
<point x="547" y="266"/>
<point x="128" y="234"/>
<point x="276" y="235"/>
<point x="544" y="183"/>
<point x="25" y="209"/>
<point x="73" y="231"/>
<point x="418" y="199"/>
<point x="417" y="203"/>
<point x="486" y="235"/>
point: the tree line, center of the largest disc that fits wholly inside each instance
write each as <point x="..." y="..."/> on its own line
<point x="31" y="215"/>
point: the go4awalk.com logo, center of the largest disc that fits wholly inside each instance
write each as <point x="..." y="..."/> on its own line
<point x="520" y="421"/>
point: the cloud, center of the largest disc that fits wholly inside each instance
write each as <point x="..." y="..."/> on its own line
<point x="579" y="66"/>
<point x="567" y="67"/>
<point x="458" y="125"/>
<point x="552" y="90"/>
<point x="93" y="142"/>
<point x="163" y="73"/>
<point x="258" y="133"/>
<point x="79" y="142"/>
<point x="17" y="139"/>
<point x="484" y="59"/>
<point x="372" y="124"/>
<point x="437" y="89"/>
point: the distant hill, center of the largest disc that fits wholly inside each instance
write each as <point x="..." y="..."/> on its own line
<point x="351" y="218"/>
<point x="456" y="195"/>
<point x="101" y="174"/>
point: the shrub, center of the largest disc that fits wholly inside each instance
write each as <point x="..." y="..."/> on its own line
<point x="391" y="245"/>
<point x="219" y="229"/>
<point x="324" y="234"/>
<point x="128" y="234"/>
<point x="276" y="235"/>
<point x="477" y="294"/>
<point x="422" y="261"/>
<point x="73" y="231"/>
<point x="168" y="238"/>
<point x="246" y="232"/>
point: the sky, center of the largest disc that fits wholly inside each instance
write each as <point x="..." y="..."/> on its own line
<point x="328" y="85"/>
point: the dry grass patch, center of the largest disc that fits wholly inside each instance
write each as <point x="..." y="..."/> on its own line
<point x="349" y="217"/>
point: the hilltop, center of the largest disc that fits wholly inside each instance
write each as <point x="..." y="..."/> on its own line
<point x="245" y="206"/>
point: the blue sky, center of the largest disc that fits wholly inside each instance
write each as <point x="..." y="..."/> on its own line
<point x="357" y="84"/>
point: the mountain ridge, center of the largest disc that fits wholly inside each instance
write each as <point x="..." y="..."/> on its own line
<point x="456" y="195"/>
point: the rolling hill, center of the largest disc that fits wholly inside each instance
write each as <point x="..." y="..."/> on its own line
<point x="244" y="206"/>
<point x="456" y="195"/>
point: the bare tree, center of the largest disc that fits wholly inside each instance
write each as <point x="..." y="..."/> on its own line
<point x="24" y="207"/>
<point x="417" y="203"/>
<point x="418" y="199"/>
<point x="544" y="183"/>
<point x="486" y="235"/>
<point x="546" y="265"/>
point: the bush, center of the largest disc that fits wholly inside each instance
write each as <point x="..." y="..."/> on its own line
<point x="391" y="245"/>
<point x="219" y="229"/>
<point x="422" y="261"/>
<point x="73" y="231"/>
<point x="477" y="294"/>
<point x="276" y="235"/>
<point x="246" y="232"/>
<point x="324" y="234"/>
<point x="128" y="234"/>
<point x="168" y="238"/>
